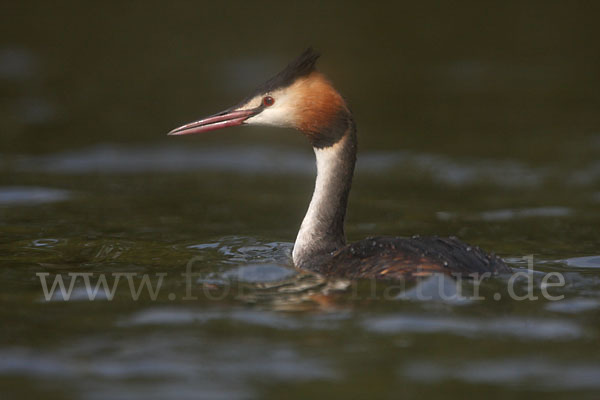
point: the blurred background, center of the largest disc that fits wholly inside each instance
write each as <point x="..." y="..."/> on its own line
<point x="502" y="79"/>
<point x="476" y="119"/>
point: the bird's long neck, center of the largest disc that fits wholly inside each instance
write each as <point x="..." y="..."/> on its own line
<point x="322" y="230"/>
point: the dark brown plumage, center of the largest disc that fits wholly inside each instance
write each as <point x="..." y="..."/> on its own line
<point x="394" y="258"/>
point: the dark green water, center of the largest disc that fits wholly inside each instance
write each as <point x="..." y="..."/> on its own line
<point x="475" y="120"/>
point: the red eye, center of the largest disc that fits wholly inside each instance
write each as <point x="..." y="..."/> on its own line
<point x="268" y="101"/>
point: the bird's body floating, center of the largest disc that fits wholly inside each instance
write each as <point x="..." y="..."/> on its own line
<point x="302" y="98"/>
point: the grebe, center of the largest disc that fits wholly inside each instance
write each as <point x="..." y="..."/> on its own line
<point x="300" y="97"/>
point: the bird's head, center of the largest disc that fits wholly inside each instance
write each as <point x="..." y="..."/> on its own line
<point x="298" y="97"/>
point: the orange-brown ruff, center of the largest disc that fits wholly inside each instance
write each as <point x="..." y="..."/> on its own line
<point x="319" y="104"/>
<point x="302" y="98"/>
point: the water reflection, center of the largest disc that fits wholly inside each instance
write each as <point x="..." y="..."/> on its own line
<point x="31" y="195"/>
<point x="108" y="159"/>
<point x="541" y="372"/>
<point x="509" y="214"/>
<point x="520" y="328"/>
<point x="584" y="262"/>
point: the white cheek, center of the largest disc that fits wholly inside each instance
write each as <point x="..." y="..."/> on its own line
<point x="276" y="116"/>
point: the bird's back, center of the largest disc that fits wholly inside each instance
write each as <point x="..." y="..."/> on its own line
<point x="393" y="258"/>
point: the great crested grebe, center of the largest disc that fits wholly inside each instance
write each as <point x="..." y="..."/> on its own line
<point x="302" y="98"/>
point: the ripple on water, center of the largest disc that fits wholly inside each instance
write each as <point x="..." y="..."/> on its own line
<point x="247" y="250"/>
<point x="572" y="306"/>
<point x="436" y="288"/>
<point x="510" y="213"/>
<point x="584" y="262"/>
<point x="520" y="328"/>
<point x="543" y="373"/>
<point x="226" y="368"/>
<point x="112" y="159"/>
<point x="246" y="259"/>
<point x="81" y="293"/>
<point x="267" y="319"/>
<point x="260" y="273"/>
<point x="499" y="215"/>
<point x="274" y="160"/>
<point x="46" y="242"/>
<point x="31" y="195"/>
<point x="203" y="246"/>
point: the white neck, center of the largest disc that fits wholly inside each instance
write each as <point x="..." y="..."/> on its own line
<point x="322" y="230"/>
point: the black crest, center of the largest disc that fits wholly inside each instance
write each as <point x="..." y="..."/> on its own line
<point x="303" y="65"/>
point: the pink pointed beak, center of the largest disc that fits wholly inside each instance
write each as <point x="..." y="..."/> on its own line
<point x="217" y="121"/>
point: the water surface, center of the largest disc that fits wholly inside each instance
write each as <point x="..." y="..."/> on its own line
<point x="472" y="122"/>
